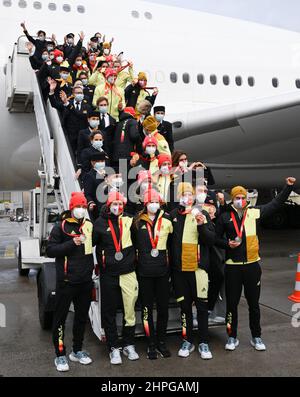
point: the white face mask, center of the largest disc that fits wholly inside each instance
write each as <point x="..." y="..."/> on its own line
<point x="150" y="150"/>
<point x="79" y="97"/>
<point x="97" y="144"/>
<point x="79" y="213"/>
<point x="70" y="41"/>
<point x="78" y="63"/>
<point x="106" y="51"/>
<point x="85" y="81"/>
<point x="159" y="117"/>
<point x="153" y="208"/>
<point x="117" y="182"/>
<point x="64" y="76"/>
<point x="115" y="209"/>
<point x="183" y="164"/>
<point x="99" y="166"/>
<point x="94" y="123"/>
<point x="165" y="170"/>
<point x="185" y="201"/>
<point x="238" y="204"/>
<point x="201" y="197"/>
<point x="59" y="59"/>
<point x="103" y="109"/>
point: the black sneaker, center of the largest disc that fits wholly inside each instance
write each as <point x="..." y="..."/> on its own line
<point x="163" y="350"/>
<point x="151" y="352"/>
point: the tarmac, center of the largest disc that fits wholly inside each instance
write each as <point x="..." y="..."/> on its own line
<point x="26" y="350"/>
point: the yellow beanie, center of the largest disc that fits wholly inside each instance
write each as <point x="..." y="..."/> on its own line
<point x="238" y="190"/>
<point x="150" y="124"/>
<point x="142" y="76"/>
<point x="184" y="187"/>
<point x="106" y="45"/>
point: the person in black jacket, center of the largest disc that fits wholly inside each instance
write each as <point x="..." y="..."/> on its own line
<point x="68" y="46"/>
<point x="165" y="127"/>
<point x="84" y="136"/>
<point x="91" y="181"/>
<point x="190" y="244"/>
<point x="88" y="89"/>
<point x="107" y="123"/>
<point x="152" y="228"/>
<point x="70" y="243"/>
<point x="74" y="112"/>
<point x="40" y="43"/>
<point x="126" y="138"/>
<point x="137" y="92"/>
<point x="242" y="268"/>
<point x="115" y="253"/>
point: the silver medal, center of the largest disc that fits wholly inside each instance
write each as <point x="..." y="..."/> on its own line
<point x="238" y="240"/>
<point x="154" y="253"/>
<point x="118" y="256"/>
<point x="82" y="238"/>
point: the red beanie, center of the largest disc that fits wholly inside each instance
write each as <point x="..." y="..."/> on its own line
<point x="142" y="175"/>
<point x="58" y="53"/>
<point x="130" y="110"/>
<point x="110" y="72"/>
<point x="150" y="139"/>
<point x="150" y="195"/>
<point x="77" y="198"/>
<point x="162" y="158"/>
<point x="115" y="196"/>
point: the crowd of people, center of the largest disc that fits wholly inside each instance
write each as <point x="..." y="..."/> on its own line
<point x="154" y="219"/>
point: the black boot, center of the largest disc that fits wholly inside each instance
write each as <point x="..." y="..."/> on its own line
<point x="151" y="352"/>
<point x="163" y="350"/>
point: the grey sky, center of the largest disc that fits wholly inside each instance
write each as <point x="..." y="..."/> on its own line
<point x="283" y="14"/>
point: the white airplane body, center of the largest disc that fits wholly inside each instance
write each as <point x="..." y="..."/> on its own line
<point x="245" y="125"/>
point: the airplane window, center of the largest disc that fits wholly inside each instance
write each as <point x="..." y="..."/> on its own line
<point x="22" y="4"/>
<point x="67" y="7"/>
<point x="238" y="81"/>
<point x="275" y="82"/>
<point x="297" y="83"/>
<point x="37" y="5"/>
<point x="213" y="79"/>
<point x="251" y="81"/>
<point x="200" y="78"/>
<point x="148" y="15"/>
<point x="173" y="77"/>
<point x="7" y="3"/>
<point x="52" y="6"/>
<point x="226" y="80"/>
<point x="135" y="14"/>
<point x="81" y="9"/>
<point x="186" y="78"/>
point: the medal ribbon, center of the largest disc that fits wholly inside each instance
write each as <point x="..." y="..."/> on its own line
<point x="117" y="243"/>
<point x="154" y="242"/>
<point x="239" y="232"/>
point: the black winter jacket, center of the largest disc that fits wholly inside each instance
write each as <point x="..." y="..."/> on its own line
<point x="123" y="149"/>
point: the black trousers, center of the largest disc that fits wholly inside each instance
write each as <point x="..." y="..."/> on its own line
<point x="237" y="277"/>
<point x="186" y="292"/>
<point x="111" y="301"/>
<point x="155" y="289"/>
<point x="80" y="295"/>
<point x="216" y="278"/>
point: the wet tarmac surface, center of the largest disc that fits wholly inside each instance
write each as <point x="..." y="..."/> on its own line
<point x="26" y="350"/>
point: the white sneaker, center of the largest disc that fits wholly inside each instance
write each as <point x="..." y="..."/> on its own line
<point x="115" y="356"/>
<point x="231" y="344"/>
<point x="61" y="364"/>
<point x="204" y="351"/>
<point x="129" y="351"/>
<point x="80" y="357"/>
<point x="186" y="349"/>
<point x="258" y="344"/>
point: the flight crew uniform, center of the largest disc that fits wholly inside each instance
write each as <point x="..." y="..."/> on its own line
<point x="166" y="130"/>
<point x="74" y="268"/>
<point x="190" y="261"/>
<point x="153" y="273"/>
<point x="242" y="268"/>
<point x="117" y="273"/>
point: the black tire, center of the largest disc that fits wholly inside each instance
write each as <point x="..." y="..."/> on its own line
<point x="45" y="317"/>
<point x="22" y="272"/>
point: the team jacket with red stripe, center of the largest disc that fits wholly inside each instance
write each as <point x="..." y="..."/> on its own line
<point x="74" y="264"/>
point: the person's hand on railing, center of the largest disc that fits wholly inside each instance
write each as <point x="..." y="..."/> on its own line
<point x="52" y="85"/>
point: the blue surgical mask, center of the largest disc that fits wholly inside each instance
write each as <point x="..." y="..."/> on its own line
<point x="85" y="81"/>
<point x="45" y="57"/>
<point x="99" y="166"/>
<point x="159" y="117"/>
<point x="94" y="123"/>
<point x="98" y="145"/>
<point x="64" y="76"/>
<point x="103" y="109"/>
<point x="79" y="97"/>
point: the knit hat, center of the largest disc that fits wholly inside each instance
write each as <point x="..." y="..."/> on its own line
<point x="184" y="187"/>
<point x="106" y="45"/>
<point x="150" y="139"/>
<point x="77" y="198"/>
<point x="64" y="66"/>
<point x="150" y="123"/>
<point x="159" y="109"/>
<point x="142" y="76"/>
<point x="58" y="53"/>
<point x="162" y="158"/>
<point x="142" y="175"/>
<point x="150" y="195"/>
<point x="115" y="196"/>
<point x="130" y="110"/>
<point x="238" y="190"/>
<point x="110" y="72"/>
